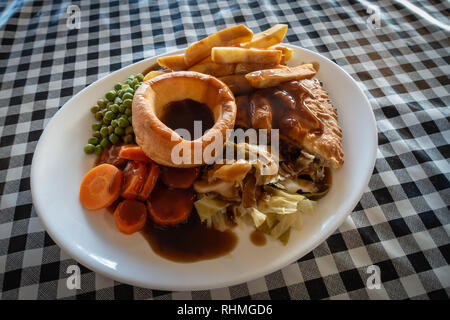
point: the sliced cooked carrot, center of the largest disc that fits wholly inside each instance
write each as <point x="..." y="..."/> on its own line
<point x="169" y="207"/>
<point x="150" y="182"/>
<point x="130" y="216"/>
<point x="133" y="152"/>
<point x="100" y="187"/>
<point x="180" y="178"/>
<point x="134" y="178"/>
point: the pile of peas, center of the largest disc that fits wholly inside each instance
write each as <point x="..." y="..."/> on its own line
<point x="113" y="116"/>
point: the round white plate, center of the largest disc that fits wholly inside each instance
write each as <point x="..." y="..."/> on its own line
<point x="92" y="238"/>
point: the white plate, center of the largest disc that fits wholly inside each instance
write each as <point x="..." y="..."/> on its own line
<point x="92" y="238"/>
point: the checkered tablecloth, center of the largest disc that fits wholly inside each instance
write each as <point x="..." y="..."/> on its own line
<point x="400" y="59"/>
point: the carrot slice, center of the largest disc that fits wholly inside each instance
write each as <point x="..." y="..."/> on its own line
<point x="150" y="182"/>
<point x="134" y="178"/>
<point x="180" y="178"/>
<point x="130" y="216"/>
<point x="133" y="152"/>
<point x="169" y="207"/>
<point x="100" y="187"/>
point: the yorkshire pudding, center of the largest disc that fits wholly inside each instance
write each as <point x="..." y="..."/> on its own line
<point x="155" y="138"/>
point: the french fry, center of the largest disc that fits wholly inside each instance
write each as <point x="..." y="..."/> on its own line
<point x="175" y="63"/>
<point x="286" y="53"/>
<point x="152" y="74"/>
<point x="207" y="66"/>
<point x="226" y="37"/>
<point x="236" y="55"/>
<point x="267" y="38"/>
<point x="250" y="67"/>
<point x="272" y="77"/>
<point x="237" y="83"/>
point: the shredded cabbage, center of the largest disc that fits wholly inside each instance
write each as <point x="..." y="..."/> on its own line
<point x="257" y="216"/>
<point x="218" y="221"/>
<point x="283" y="210"/>
<point x="279" y="201"/>
<point x="307" y="206"/>
<point x="208" y="206"/>
<point x="271" y="219"/>
<point x="284" y="223"/>
<point x="292" y="185"/>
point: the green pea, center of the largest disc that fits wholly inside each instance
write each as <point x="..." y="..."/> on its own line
<point x="89" y="148"/>
<point x="110" y="129"/>
<point x="100" y="103"/>
<point x="98" y="150"/>
<point x="104" y="143"/>
<point x="106" y="121"/>
<point x="97" y="134"/>
<point x="93" y="140"/>
<point x="128" y="111"/>
<point x="96" y="126"/>
<point x="122" y="108"/>
<point x="109" y="115"/>
<point x="99" y="116"/>
<point x="128" y="138"/>
<point x="114" y="123"/>
<point x="123" y="122"/>
<point x="130" y="90"/>
<point x="140" y="77"/>
<point x="119" y="131"/>
<point x="118" y="86"/>
<point x="127" y="95"/>
<point x="118" y="101"/>
<point x="125" y="87"/>
<point x="130" y="82"/>
<point x="94" y="109"/>
<point x="130" y="120"/>
<point x="136" y="86"/>
<point x="104" y="132"/>
<point x="114" y="108"/>
<point x="127" y="102"/>
<point x="113" y="138"/>
<point x="111" y="95"/>
<point x="129" y="130"/>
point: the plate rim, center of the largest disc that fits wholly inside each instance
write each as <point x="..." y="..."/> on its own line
<point x="223" y="283"/>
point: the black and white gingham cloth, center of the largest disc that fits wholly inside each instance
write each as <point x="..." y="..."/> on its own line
<point x="402" y="222"/>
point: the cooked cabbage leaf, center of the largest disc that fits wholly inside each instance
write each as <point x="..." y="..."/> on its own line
<point x="307" y="206"/>
<point x="279" y="201"/>
<point x="218" y="221"/>
<point x="292" y="185"/>
<point x="285" y="222"/>
<point x="317" y="195"/>
<point x="257" y="216"/>
<point x="208" y="206"/>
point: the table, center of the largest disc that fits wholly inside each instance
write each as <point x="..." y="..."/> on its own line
<point x="401" y="60"/>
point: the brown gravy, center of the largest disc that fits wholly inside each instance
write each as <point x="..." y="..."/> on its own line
<point x="182" y="114"/>
<point x="258" y="238"/>
<point x="282" y="107"/>
<point x="189" y="242"/>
